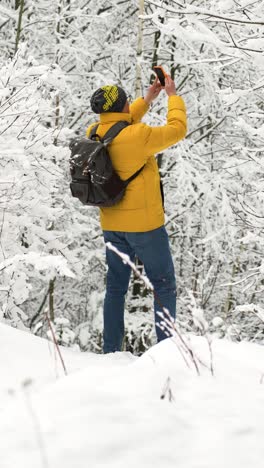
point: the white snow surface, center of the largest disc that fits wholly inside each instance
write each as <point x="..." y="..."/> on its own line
<point x="108" y="411"/>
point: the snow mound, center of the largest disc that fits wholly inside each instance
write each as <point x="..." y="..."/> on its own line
<point x="118" y="411"/>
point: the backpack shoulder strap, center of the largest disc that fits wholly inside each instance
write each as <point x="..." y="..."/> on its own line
<point x="94" y="130"/>
<point x="114" y="131"/>
<point x="134" y="175"/>
<point x="109" y="136"/>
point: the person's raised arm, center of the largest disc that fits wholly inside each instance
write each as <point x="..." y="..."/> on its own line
<point x="141" y="105"/>
<point x="153" y="92"/>
<point x="160" y="138"/>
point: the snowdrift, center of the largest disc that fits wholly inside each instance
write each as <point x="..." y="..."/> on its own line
<point x="120" y="411"/>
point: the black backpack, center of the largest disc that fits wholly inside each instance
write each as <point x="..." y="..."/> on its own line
<point x="94" y="180"/>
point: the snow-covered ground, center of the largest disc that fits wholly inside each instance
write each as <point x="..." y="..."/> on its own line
<point x="108" y="411"/>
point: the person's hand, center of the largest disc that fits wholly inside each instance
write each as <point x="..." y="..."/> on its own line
<point x="153" y="91"/>
<point x="170" y="86"/>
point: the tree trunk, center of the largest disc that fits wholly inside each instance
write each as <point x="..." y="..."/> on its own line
<point x="19" y="4"/>
<point x="57" y="99"/>
<point x="138" y="91"/>
<point x="136" y="285"/>
<point x="51" y="299"/>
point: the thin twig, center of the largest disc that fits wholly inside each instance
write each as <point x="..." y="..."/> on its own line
<point x="56" y="343"/>
<point x="206" y="134"/>
<point x="241" y="48"/>
<point x="36" y="424"/>
<point x="200" y="11"/>
<point x="10" y="125"/>
<point x="39" y="309"/>
<point x="167" y="391"/>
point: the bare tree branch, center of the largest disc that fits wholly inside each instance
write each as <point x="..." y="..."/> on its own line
<point x="200" y="11"/>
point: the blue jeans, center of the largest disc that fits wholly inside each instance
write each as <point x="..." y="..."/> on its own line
<point x="152" y="248"/>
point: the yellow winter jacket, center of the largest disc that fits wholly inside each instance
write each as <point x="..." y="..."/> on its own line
<point x="141" y="208"/>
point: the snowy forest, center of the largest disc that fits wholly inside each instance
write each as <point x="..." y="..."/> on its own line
<point x="53" y="55"/>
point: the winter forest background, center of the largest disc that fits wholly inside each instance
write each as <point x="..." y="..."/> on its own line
<point x="53" y="55"/>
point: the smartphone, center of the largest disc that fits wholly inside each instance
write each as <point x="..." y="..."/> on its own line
<point x="161" y="74"/>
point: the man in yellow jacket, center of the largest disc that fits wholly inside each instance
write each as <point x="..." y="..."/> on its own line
<point x="135" y="225"/>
